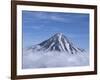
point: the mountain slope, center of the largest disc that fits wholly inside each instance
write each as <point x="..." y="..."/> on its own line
<point x="58" y="43"/>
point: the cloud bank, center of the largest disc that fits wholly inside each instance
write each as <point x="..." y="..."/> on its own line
<point x="54" y="59"/>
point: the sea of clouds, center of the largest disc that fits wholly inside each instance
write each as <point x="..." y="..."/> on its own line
<point x="53" y="59"/>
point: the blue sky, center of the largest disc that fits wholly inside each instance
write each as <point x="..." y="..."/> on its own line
<point x="39" y="26"/>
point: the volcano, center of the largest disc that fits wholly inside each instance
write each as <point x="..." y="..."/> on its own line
<point x="57" y="43"/>
<point x="57" y="51"/>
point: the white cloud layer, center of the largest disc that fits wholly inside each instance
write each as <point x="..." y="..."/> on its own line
<point x="54" y="59"/>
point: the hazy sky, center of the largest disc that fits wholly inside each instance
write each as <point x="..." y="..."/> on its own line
<point x="39" y="26"/>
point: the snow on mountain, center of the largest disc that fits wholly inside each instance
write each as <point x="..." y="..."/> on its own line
<point x="57" y="51"/>
<point x="59" y="43"/>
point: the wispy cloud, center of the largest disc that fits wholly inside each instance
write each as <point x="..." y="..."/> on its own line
<point x="37" y="27"/>
<point x="52" y="16"/>
<point x="59" y="17"/>
<point x="48" y="16"/>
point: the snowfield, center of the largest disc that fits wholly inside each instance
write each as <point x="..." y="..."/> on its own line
<point x="53" y="59"/>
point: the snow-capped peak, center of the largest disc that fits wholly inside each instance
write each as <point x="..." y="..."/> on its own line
<point x="59" y="43"/>
<point x="59" y="34"/>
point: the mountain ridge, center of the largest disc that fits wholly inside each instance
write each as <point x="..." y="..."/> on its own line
<point x="59" y="43"/>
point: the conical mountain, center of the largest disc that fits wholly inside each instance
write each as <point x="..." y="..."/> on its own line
<point x="59" y="43"/>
